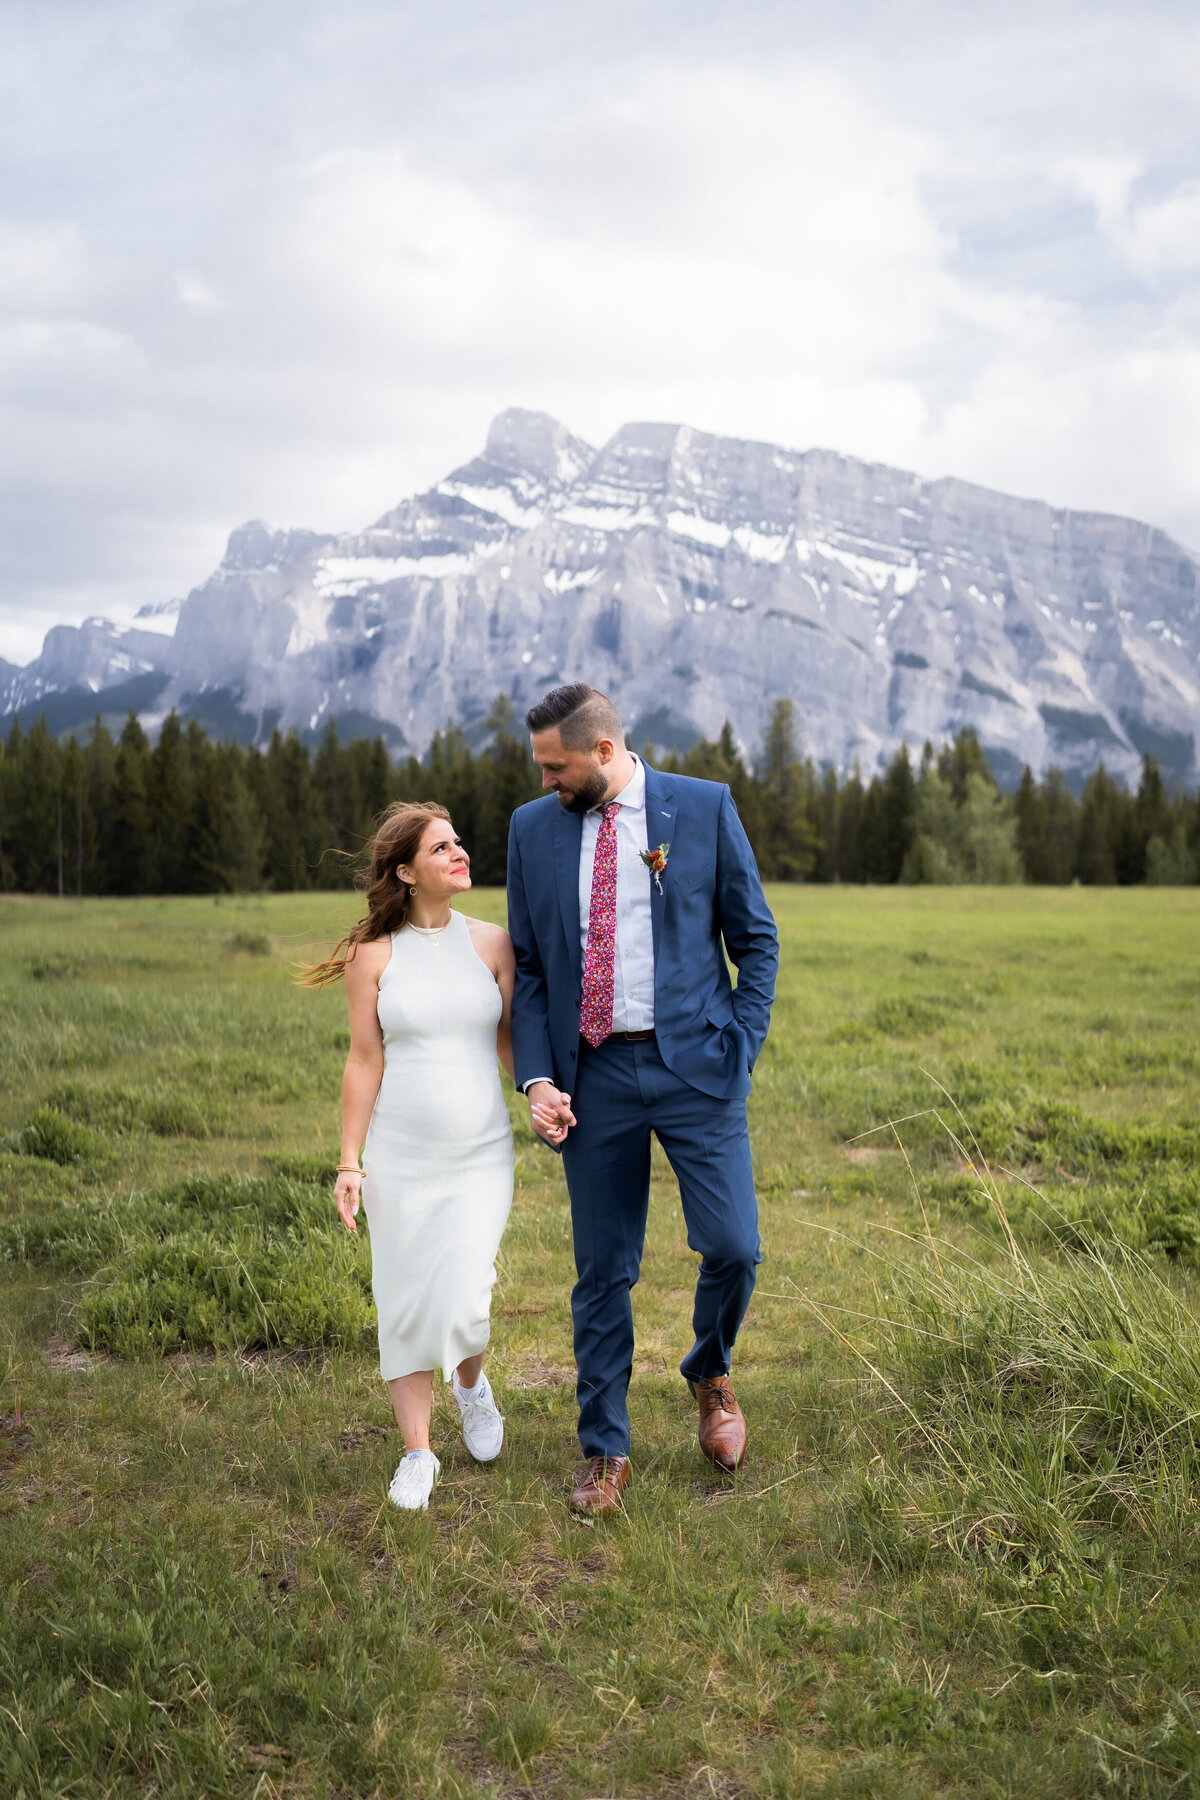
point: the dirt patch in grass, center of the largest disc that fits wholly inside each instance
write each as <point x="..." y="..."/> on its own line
<point x="536" y="1372"/>
<point x="357" y="1433"/>
<point x="61" y="1355"/>
<point x="260" y="1358"/>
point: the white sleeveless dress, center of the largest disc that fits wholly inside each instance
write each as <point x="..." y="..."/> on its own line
<point x="438" y="1159"/>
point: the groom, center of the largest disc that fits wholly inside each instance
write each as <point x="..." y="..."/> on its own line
<point x="625" y="890"/>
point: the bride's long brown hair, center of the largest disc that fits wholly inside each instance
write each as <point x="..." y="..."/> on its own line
<point x="388" y="900"/>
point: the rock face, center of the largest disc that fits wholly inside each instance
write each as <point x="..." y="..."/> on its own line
<point x="693" y="578"/>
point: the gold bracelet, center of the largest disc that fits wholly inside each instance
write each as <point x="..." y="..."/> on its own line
<point x="348" y="1169"/>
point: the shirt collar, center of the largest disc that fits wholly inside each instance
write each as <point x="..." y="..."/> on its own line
<point x="632" y="797"/>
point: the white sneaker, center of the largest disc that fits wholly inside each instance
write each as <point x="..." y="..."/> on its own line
<point x="483" y="1427"/>
<point x="413" y="1481"/>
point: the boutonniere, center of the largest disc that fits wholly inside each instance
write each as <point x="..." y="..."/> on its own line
<point x="656" y="862"/>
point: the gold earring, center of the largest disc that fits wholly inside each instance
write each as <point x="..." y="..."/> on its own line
<point x="412" y="890"/>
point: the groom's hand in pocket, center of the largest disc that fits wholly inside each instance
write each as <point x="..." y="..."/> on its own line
<point x="549" y="1112"/>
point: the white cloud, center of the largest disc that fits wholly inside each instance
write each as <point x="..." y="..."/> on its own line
<point x="197" y="293"/>
<point x="301" y="299"/>
<point x="775" y="277"/>
<point x="1105" y="179"/>
<point x="1153" y="236"/>
<point x="44" y="268"/>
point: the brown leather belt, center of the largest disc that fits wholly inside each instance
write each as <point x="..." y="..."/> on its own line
<point x="631" y="1037"/>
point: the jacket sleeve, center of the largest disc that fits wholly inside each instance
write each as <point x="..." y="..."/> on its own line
<point x="747" y="926"/>
<point x="532" y="1055"/>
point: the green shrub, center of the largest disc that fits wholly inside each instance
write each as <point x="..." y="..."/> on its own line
<point x="211" y="1262"/>
<point x="118" y="1111"/>
<point x="1059" y="1136"/>
<point x="1157" y="1214"/>
<point x="318" y="1169"/>
<point x="109" y="1109"/>
<point x="521" y="1731"/>
<point x="197" y="1290"/>
<point x="249" y="943"/>
<point x="173" y="1115"/>
<point x="907" y="1016"/>
<point x="55" y="1138"/>
<point x="52" y="967"/>
<point x="1047" y="1414"/>
<point x="272" y="1080"/>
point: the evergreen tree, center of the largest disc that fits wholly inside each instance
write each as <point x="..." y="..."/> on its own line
<point x="843" y="861"/>
<point x="78" y="827"/>
<point x="739" y="780"/>
<point x="1032" y="820"/>
<point x="1149" y="817"/>
<point x="169" y="804"/>
<point x="11" y="776"/>
<point x="1101" y="825"/>
<point x="824" y="868"/>
<point x="334" y="784"/>
<point x="871" y="861"/>
<point x="129" y="848"/>
<point x="240" y="834"/>
<point x="506" y="777"/>
<point x="449" y="777"/>
<point x="195" y="816"/>
<point x="296" y="836"/>
<point x="721" y="760"/>
<point x="373" y="783"/>
<point x="35" y="836"/>
<point x="1047" y="819"/>
<point x="788" y="838"/>
<point x="225" y="825"/>
<point x="958" y="761"/>
<point x="99" y="776"/>
<point x="897" y="816"/>
<point x="1062" y="827"/>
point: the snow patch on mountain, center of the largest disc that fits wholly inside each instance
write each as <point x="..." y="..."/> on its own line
<point x="695" y="578"/>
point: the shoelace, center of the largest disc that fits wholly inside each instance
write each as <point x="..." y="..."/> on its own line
<point x="722" y="1395"/>
<point x="597" y="1466"/>
<point x="411" y="1476"/>
<point x="472" y="1407"/>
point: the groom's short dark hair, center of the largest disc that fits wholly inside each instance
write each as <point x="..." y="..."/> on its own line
<point x="581" y="714"/>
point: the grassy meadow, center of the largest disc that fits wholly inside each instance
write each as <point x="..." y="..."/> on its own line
<point x="962" y="1557"/>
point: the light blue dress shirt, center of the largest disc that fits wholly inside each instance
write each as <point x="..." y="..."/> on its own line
<point x="633" y="971"/>
<point x="633" y="959"/>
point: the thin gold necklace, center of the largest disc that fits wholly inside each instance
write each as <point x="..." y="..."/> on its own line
<point x="431" y="931"/>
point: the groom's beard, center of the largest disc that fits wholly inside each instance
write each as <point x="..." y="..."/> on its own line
<point x="588" y="794"/>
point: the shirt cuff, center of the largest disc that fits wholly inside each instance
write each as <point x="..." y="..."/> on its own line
<point x="526" y="1085"/>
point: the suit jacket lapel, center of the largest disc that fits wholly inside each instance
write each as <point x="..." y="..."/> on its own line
<point x="660" y="826"/>
<point x="568" y="836"/>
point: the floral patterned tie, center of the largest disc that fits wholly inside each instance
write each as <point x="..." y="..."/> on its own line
<point x="596" y="1008"/>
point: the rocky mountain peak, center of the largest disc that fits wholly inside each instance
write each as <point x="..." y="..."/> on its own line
<point x="695" y="578"/>
<point x="533" y="443"/>
<point x="255" y="546"/>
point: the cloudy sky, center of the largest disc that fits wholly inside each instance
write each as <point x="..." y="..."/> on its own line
<point x="281" y="259"/>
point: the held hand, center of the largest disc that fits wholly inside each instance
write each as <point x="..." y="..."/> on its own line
<point x="346" y="1195"/>
<point x="550" y="1112"/>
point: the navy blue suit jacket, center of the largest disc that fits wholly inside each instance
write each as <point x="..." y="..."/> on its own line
<point x="709" y="1033"/>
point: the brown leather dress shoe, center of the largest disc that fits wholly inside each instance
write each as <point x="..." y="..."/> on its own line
<point x="604" y="1481"/>
<point x="722" y="1423"/>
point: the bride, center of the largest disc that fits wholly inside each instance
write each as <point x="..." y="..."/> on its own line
<point x="429" y="993"/>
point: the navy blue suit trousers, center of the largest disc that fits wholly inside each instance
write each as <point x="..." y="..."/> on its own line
<point x="624" y="1093"/>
